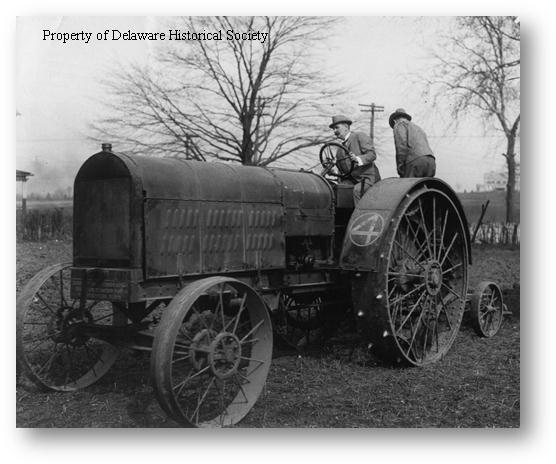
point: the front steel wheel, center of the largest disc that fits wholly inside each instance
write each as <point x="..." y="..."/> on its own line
<point x="423" y="279"/>
<point x="211" y="353"/>
<point x="51" y="349"/>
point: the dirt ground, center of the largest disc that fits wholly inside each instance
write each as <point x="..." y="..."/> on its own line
<point x="477" y="384"/>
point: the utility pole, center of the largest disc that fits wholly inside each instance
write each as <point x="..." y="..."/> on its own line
<point x="372" y="108"/>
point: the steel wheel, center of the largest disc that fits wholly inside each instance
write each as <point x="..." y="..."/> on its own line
<point x="211" y="353"/>
<point x="424" y="279"/>
<point x="50" y="349"/>
<point x="487" y="309"/>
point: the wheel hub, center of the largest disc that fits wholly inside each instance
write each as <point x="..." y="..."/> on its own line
<point x="63" y="327"/>
<point x="225" y="355"/>
<point x="433" y="277"/>
<point x="199" y="348"/>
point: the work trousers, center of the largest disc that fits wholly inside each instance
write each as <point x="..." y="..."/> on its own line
<point x="424" y="166"/>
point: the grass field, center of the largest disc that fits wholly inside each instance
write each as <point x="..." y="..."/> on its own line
<point x="477" y="384"/>
<point x="496" y="211"/>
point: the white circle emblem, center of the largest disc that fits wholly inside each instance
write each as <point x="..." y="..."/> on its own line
<point x="366" y="229"/>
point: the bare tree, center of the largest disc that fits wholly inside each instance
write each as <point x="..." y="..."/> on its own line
<point x="478" y="70"/>
<point x="234" y="99"/>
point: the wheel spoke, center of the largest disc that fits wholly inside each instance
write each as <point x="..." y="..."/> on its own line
<point x="434" y="227"/>
<point x="392" y="291"/>
<point x="421" y="245"/>
<point x="244" y="379"/>
<point x="423" y="224"/>
<point x="410" y="312"/>
<point x="492" y="299"/>
<point x="200" y="402"/>
<point x="407" y="295"/>
<point x="102" y="318"/>
<point x="396" y="309"/>
<point x="441" y="242"/>
<point x="69" y="370"/>
<point x="46" y="305"/>
<point x="47" y="364"/>
<point x="191" y="377"/>
<point x="405" y="274"/>
<point x="422" y="249"/>
<point x="455" y="266"/>
<point x="247" y="358"/>
<point x="428" y="311"/>
<point x="444" y="308"/>
<point x="38" y="339"/>
<point x="448" y="249"/>
<point x="88" y="351"/>
<point x="200" y="317"/>
<point x="488" y="321"/>
<point x="409" y="255"/>
<point x="238" y="315"/>
<point x="238" y="377"/>
<point x="183" y="332"/>
<point x="452" y="291"/>
<point x="414" y="329"/>
<point x="219" y="306"/>
<point x="93" y="304"/>
<point x="435" y="331"/>
<point x="252" y="331"/>
<point x="221" y="303"/>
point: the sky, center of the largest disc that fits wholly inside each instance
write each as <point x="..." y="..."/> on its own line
<point x="59" y="92"/>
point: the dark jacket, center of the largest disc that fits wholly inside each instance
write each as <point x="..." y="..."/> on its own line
<point x="360" y="144"/>
<point x="411" y="143"/>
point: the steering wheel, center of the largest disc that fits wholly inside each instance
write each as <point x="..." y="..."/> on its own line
<point x="331" y="154"/>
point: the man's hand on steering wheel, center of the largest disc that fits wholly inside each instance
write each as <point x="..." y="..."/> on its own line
<point x="331" y="155"/>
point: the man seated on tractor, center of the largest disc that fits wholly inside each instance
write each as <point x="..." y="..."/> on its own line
<point x="362" y="154"/>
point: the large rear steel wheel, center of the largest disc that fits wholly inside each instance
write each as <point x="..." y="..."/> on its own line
<point x="51" y="349"/>
<point x="211" y="353"/>
<point x="422" y="279"/>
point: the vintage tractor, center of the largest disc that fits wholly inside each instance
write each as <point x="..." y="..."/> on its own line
<point x="199" y="261"/>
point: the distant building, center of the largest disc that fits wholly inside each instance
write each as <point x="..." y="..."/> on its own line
<point x="22" y="176"/>
<point x="497" y="180"/>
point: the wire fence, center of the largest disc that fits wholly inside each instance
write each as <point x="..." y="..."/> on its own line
<point x="56" y="223"/>
<point x="497" y="233"/>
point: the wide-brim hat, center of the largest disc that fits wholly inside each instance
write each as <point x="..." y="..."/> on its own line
<point x="396" y="114"/>
<point x="338" y="119"/>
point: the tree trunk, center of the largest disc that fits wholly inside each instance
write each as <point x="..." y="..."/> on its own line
<point x="510" y="186"/>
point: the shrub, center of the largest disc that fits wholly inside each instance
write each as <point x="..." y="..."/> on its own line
<point x="45" y="224"/>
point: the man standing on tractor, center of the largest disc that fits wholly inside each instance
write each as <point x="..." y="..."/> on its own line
<point x="361" y="153"/>
<point x="414" y="157"/>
